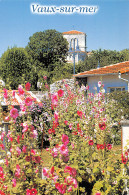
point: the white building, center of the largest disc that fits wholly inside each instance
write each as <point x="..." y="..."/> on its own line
<point x="80" y="45"/>
<point x="114" y="77"/>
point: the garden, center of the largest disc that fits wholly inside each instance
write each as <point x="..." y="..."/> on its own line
<point x="62" y="145"/>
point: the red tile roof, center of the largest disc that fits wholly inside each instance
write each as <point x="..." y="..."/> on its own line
<point x="18" y="99"/>
<point x="122" y="67"/>
<point x="72" y="32"/>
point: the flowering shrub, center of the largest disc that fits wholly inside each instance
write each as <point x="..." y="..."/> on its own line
<point x="78" y="124"/>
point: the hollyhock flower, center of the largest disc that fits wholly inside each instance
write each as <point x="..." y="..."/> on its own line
<point x="2" y="146"/>
<point x="6" y="162"/>
<point x="70" y="189"/>
<point x="91" y="142"/>
<point x="68" y="180"/>
<point x="13" y="94"/>
<point x="14" y="113"/>
<point x="28" y="101"/>
<point x="65" y="139"/>
<point x="66" y="122"/>
<point x="124" y="159"/>
<point x="1" y="172"/>
<point x="37" y="159"/>
<point x="14" y="182"/>
<point x="44" y="77"/>
<point x="33" y="191"/>
<point x="28" y="158"/>
<point x="102" y="126"/>
<point x="2" y="193"/>
<point x="5" y="93"/>
<point x="33" y="151"/>
<point x="75" y="183"/>
<point x="24" y="149"/>
<point x="61" y="188"/>
<point x="98" y="146"/>
<point x="18" y="139"/>
<point x="80" y="113"/>
<point x="27" y="86"/>
<point x="97" y="193"/>
<point x="109" y="146"/>
<point x="28" y="192"/>
<point x="70" y="126"/>
<point x="60" y="93"/>
<point x="25" y="129"/>
<point x="54" y="100"/>
<point x="56" y="116"/>
<point x="87" y="87"/>
<point x="54" y="152"/>
<point x="22" y="108"/>
<point x="50" y="131"/>
<point x="52" y="170"/>
<point x="102" y="146"/>
<point x="68" y="169"/>
<point x="45" y="172"/>
<point x="99" y="83"/>
<point x="18" y="171"/>
<point x="18" y="150"/>
<point x="63" y="150"/>
<point x="20" y="90"/>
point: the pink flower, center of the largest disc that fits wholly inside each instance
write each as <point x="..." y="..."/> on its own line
<point x="18" y="150"/>
<point x="63" y="150"/>
<point x="44" y="77"/>
<point x="18" y="171"/>
<point x="25" y="129"/>
<point x="33" y="151"/>
<point x="14" y="113"/>
<point x="5" y="93"/>
<point x="61" y="188"/>
<point x="90" y="142"/>
<point x="28" y="101"/>
<point x="18" y="139"/>
<point x="54" y="100"/>
<point x="56" y="116"/>
<point x="65" y="122"/>
<point x="27" y="86"/>
<point x="99" y="83"/>
<point x="102" y="126"/>
<point x="28" y="192"/>
<point x="14" y="182"/>
<point x="20" y="90"/>
<point x="45" y="172"/>
<point x="1" y="172"/>
<point x="60" y="93"/>
<point x="24" y="149"/>
<point x="97" y="193"/>
<point x="65" y="139"/>
<point x="54" y="152"/>
<point x="68" y="169"/>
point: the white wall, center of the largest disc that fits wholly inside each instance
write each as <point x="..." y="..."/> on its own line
<point x="108" y="81"/>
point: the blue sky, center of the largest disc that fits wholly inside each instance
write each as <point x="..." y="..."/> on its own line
<point x="107" y="29"/>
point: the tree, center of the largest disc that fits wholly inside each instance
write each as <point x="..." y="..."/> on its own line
<point x="47" y="48"/>
<point x="15" y="67"/>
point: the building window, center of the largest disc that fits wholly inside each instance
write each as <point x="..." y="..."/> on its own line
<point x="112" y="89"/>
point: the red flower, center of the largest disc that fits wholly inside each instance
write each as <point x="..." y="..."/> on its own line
<point x="2" y="193"/>
<point x="102" y="126"/>
<point x="60" y="93"/>
<point x="27" y="86"/>
<point x="109" y="146"/>
<point x="80" y="113"/>
<point x="91" y="142"/>
<point x="33" y="191"/>
<point x="37" y="159"/>
<point x="124" y="159"/>
<point x="28" y="101"/>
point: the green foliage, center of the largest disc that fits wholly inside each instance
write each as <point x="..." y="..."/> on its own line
<point x="47" y="47"/>
<point x="105" y="57"/>
<point x="15" y="67"/>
